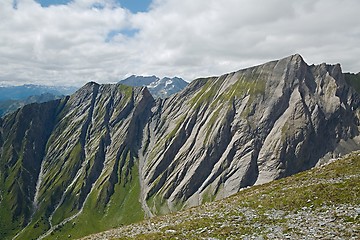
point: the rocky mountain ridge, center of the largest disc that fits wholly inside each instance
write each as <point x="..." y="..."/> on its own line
<point x="248" y="127"/>
<point x="112" y="154"/>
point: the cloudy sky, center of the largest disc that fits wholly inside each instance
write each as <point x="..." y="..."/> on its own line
<point x="64" y="42"/>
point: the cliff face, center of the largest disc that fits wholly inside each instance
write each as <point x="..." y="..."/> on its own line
<point x="23" y="138"/>
<point x="111" y="154"/>
<point x="248" y="127"/>
<point x="73" y="159"/>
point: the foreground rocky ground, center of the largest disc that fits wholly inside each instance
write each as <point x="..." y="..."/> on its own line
<point x="322" y="203"/>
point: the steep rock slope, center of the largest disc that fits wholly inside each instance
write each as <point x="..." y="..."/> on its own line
<point x="111" y="154"/>
<point x="244" y="128"/>
<point x="23" y="138"/>
<point x="57" y="156"/>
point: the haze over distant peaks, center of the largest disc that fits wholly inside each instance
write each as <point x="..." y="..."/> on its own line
<point x="14" y="97"/>
<point x="27" y="90"/>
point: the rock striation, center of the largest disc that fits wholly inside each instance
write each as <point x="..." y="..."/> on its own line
<point x="248" y="127"/>
<point x="111" y="154"/>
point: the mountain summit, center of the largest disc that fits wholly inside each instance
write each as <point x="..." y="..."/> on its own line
<point x="158" y="87"/>
<point x="112" y="154"/>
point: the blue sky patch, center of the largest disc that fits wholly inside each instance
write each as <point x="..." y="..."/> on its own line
<point x="128" y="32"/>
<point x="98" y="6"/>
<point x="47" y="3"/>
<point x="134" y="6"/>
<point x="15" y="3"/>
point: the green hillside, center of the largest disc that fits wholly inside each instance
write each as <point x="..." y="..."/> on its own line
<point x="323" y="202"/>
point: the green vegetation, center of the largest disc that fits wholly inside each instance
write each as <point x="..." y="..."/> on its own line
<point x="126" y="90"/>
<point x="8" y="225"/>
<point x="248" y="83"/>
<point x="65" y="155"/>
<point x="67" y="209"/>
<point x="176" y="129"/>
<point x="252" y="212"/>
<point x="207" y="92"/>
<point x="158" y="205"/>
<point x="40" y="222"/>
<point x="36" y="228"/>
<point x="208" y="196"/>
<point x="124" y="208"/>
<point x="214" y="118"/>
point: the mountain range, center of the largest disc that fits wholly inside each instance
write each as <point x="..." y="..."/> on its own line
<point x="24" y="91"/>
<point x="112" y="154"/>
<point x="159" y="88"/>
<point x="14" y="97"/>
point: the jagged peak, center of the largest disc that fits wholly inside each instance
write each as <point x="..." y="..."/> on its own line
<point x="145" y="91"/>
<point x="92" y="83"/>
<point x="294" y="59"/>
<point x="297" y="56"/>
<point x="262" y="75"/>
<point x="141" y="76"/>
<point x="87" y="88"/>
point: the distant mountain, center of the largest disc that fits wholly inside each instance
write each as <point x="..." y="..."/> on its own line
<point x="167" y="86"/>
<point x="139" y="81"/>
<point x="14" y="97"/>
<point x="24" y="91"/>
<point x="8" y="106"/>
<point x="159" y="88"/>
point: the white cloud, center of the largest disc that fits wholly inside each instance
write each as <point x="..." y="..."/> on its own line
<point x="70" y="44"/>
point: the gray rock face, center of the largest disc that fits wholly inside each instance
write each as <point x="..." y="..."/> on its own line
<point x="114" y="154"/>
<point x="61" y="160"/>
<point x="139" y="81"/>
<point x="248" y="127"/>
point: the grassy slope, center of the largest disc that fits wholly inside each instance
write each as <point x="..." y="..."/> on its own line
<point x="124" y="206"/>
<point x="321" y="202"/>
<point x="124" y="209"/>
